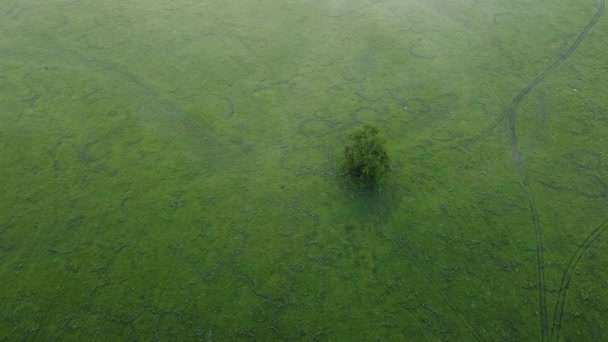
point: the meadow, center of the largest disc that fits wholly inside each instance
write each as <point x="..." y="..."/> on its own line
<point x="169" y="170"/>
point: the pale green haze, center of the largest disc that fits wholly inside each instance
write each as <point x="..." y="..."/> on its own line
<point x="170" y="170"/>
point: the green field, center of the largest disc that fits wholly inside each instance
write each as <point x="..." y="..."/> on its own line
<point x="169" y="170"/>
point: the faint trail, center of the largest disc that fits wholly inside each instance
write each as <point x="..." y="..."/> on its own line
<point x="563" y="289"/>
<point x="512" y="110"/>
<point x="511" y="113"/>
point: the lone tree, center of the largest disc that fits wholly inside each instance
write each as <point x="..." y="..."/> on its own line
<point x="366" y="160"/>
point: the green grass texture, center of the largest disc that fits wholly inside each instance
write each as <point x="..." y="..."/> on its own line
<point x="170" y="170"/>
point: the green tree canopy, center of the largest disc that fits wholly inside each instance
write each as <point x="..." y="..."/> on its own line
<point x="365" y="157"/>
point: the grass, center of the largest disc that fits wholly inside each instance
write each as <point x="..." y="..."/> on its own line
<point x="170" y="171"/>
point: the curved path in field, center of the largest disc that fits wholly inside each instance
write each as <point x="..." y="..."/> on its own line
<point x="511" y="113"/>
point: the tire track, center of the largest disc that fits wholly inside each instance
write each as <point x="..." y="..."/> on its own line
<point x="511" y="113"/>
<point x="563" y="289"/>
